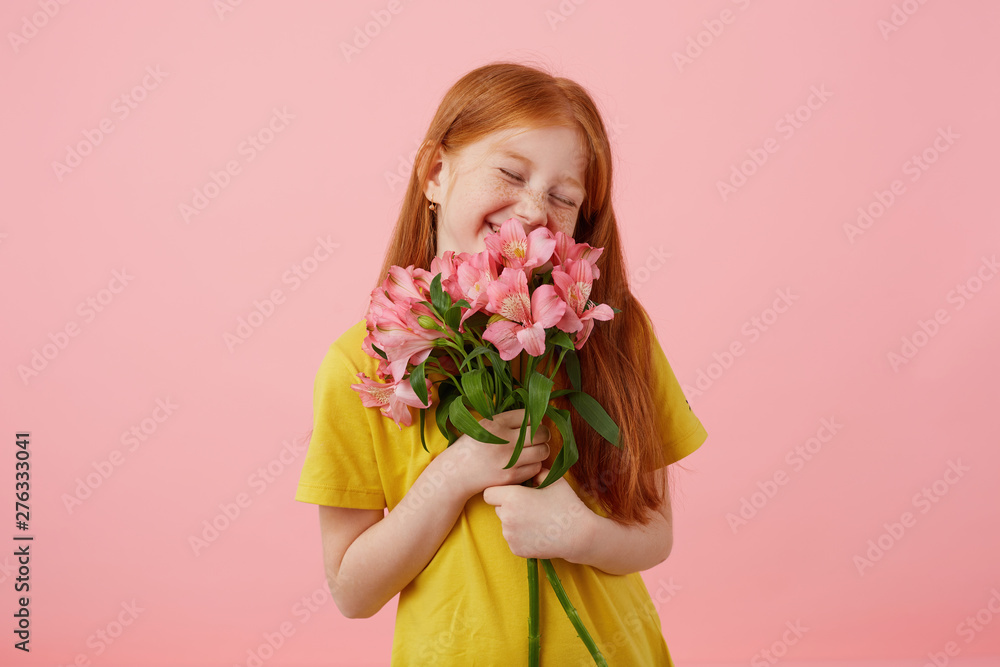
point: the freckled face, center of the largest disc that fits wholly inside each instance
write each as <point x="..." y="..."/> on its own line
<point x="534" y="175"/>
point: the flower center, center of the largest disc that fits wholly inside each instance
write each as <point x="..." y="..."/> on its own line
<point x="382" y="394"/>
<point x="516" y="308"/>
<point x="578" y="294"/>
<point x="516" y="249"/>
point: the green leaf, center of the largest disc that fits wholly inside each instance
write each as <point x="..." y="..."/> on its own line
<point x="508" y="402"/>
<point x="573" y="368"/>
<point x="568" y="455"/>
<point x="482" y="349"/>
<point x="452" y="317"/>
<point x="380" y="352"/>
<point x="520" y="443"/>
<point x="418" y="383"/>
<point x="539" y="388"/>
<point x="474" y="390"/>
<point x="423" y="440"/>
<point x="596" y="416"/>
<point x="440" y="298"/>
<point x="441" y="413"/>
<point x="562" y="339"/>
<point x="466" y="423"/>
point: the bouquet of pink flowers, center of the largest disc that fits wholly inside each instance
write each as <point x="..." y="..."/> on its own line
<point x="464" y="320"/>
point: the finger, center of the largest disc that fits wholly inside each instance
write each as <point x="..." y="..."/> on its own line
<point x="540" y="477"/>
<point x="541" y="435"/>
<point x="535" y="453"/>
<point x="494" y="495"/>
<point x="511" y="418"/>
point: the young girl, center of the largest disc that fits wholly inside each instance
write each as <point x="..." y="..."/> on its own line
<point x="508" y="141"/>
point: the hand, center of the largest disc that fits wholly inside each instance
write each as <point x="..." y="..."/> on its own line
<point x="542" y="523"/>
<point x="480" y="464"/>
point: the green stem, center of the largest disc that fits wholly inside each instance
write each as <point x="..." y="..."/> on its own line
<point x="574" y="617"/>
<point x="534" y="636"/>
<point x="440" y="369"/>
<point x="558" y="364"/>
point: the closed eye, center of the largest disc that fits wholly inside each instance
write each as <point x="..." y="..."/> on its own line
<point x="516" y="177"/>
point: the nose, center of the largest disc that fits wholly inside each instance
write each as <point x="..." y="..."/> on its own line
<point x="530" y="209"/>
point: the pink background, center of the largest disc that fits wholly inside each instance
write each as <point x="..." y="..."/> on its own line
<point x="705" y="265"/>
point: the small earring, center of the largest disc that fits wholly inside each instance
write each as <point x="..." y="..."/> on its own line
<point x="432" y="206"/>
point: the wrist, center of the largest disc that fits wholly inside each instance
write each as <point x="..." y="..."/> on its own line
<point x="444" y="475"/>
<point x="583" y="532"/>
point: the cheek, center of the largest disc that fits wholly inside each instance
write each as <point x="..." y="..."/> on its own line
<point x="565" y="221"/>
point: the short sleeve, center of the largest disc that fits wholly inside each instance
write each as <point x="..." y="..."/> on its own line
<point x="340" y="466"/>
<point x="681" y="430"/>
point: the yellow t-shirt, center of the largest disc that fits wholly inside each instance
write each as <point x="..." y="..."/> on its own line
<point x="469" y="605"/>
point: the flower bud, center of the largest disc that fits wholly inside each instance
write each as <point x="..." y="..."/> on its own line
<point x="428" y="322"/>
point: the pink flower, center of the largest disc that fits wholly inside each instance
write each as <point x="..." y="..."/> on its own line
<point x="392" y="397"/>
<point x="402" y="338"/>
<point x="567" y="249"/>
<point x="447" y="265"/>
<point x="525" y="321"/>
<point x="408" y="286"/>
<point x="474" y="277"/>
<point x="573" y="282"/>
<point x="513" y="249"/>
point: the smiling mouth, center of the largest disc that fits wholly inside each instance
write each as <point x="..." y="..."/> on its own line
<point x="493" y="228"/>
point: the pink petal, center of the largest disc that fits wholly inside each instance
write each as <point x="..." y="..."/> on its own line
<point x="533" y="340"/>
<point x="601" y="312"/>
<point x="405" y="393"/>
<point x="503" y="334"/>
<point x="546" y="306"/>
<point x="570" y="322"/>
<point x="541" y="245"/>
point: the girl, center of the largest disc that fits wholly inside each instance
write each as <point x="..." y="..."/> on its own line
<point x="508" y="141"/>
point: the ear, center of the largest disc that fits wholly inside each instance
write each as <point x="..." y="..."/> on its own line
<point x="438" y="172"/>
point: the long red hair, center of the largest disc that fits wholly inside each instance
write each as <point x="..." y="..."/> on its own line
<point x="615" y="361"/>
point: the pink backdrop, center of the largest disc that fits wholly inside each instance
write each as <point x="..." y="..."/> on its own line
<point x="196" y="198"/>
